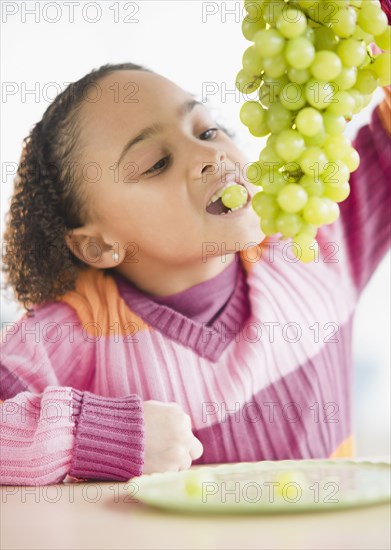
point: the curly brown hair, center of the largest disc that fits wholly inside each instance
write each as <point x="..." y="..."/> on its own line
<point x="48" y="200"/>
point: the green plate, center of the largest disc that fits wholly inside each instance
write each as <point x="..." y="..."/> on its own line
<point x="267" y="487"/>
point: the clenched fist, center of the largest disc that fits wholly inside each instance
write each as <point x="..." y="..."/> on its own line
<point x="169" y="443"/>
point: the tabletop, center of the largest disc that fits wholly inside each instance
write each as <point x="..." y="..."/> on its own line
<point x="105" y="515"/>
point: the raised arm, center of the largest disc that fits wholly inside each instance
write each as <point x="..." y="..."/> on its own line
<point x="366" y="213"/>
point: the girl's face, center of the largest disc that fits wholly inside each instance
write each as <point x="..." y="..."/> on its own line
<point x="159" y="160"/>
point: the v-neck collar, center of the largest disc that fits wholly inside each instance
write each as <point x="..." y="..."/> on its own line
<point x="207" y="341"/>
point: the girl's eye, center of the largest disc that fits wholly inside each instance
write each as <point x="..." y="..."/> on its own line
<point x="161" y="164"/>
<point x="209" y="133"/>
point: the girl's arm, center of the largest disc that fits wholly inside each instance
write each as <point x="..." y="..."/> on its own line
<point x="50" y="429"/>
<point x="366" y="213"/>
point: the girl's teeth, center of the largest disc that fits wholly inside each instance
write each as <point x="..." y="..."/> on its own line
<point x="231" y="210"/>
<point x="213" y="199"/>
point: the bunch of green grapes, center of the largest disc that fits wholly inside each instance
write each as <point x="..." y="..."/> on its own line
<point x="312" y="67"/>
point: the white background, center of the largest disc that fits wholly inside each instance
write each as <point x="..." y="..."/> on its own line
<point x="199" y="46"/>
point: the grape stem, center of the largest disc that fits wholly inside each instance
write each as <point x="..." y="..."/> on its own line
<point x="369" y="52"/>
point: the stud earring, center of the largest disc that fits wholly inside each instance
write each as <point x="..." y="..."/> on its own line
<point x="115" y="257"/>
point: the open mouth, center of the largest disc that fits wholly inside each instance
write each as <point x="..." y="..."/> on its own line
<point x="216" y="206"/>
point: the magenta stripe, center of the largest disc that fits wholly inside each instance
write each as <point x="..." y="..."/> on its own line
<point x="266" y="438"/>
<point x="205" y="342"/>
<point x="10" y="385"/>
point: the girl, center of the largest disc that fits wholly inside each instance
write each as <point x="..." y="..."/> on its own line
<point x="161" y="331"/>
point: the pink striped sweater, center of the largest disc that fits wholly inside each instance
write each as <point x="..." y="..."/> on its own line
<point x="270" y="377"/>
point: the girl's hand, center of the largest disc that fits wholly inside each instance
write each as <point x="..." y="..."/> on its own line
<point x="169" y="443"/>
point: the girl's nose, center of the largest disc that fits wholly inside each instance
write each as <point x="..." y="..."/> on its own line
<point x="207" y="161"/>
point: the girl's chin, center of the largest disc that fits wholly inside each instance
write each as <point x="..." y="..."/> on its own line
<point x="239" y="238"/>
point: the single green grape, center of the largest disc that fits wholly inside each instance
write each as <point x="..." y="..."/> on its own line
<point x="336" y="173"/>
<point x="251" y="61"/>
<point x="288" y="224"/>
<point x="316" y="211"/>
<point x="325" y="39"/>
<point x="336" y="147"/>
<point x="292" y="96"/>
<point x="333" y="124"/>
<point x="382" y="67"/>
<point x="337" y="194"/>
<point x="275" y="67"/>
<point x="278" y="118"/>
<point x="289" y="145"/>
<point x="342" y="103"/>
<point x="319" y="93"/>
<point x="299" y="53"/>
<point x="234" y="196"/>
<point x="352" y="159"/>
<point x="333" y="207"/>
<point x="352" y="52"/>
<point x="344" y="22"/>
<point x="268" y="226"/>
<point x="265" y="205"/>
<point x="291" y="23"/>
<point x="194" y="482"/>
<point x="250" y="28"/>
<point x="309" y="121"/>
<point x="246" y="83"/>
<point x="282" y="481"/>
<point x="372" y="19"/>
<point x="269" y="42"/>
<point x="259" y="129"/>
<point x="309" y="229"/>
<point x="306" y="249"/>
<point x="252" y="113"/>
<point x="346" y="78"/>
<point x="313" y="161"/>
<point x="292" y="198"/>
<point x="326" y="65"/>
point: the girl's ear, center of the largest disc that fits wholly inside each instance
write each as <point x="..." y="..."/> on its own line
<point x="91" y="248"/>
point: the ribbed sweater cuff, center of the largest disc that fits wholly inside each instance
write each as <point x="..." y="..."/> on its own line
<point x="109" y="437"/>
